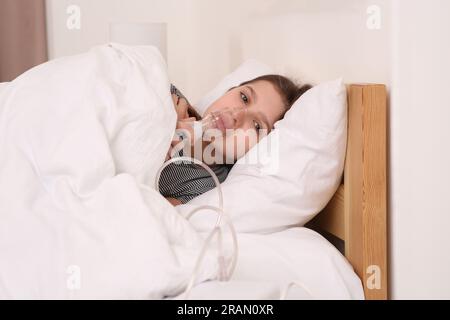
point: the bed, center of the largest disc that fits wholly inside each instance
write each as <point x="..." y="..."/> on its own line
<point x="353" y="222"/>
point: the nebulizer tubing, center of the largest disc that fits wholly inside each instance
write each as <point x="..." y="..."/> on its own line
<point x="208" y="169"/>
<point x="224" y="275"/>
<point x="285" y="292"/>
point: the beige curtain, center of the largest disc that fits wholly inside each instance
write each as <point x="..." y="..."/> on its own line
<point x="23" y="40"/>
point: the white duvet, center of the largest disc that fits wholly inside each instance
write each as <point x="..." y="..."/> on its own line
<point x="81" y="140"/>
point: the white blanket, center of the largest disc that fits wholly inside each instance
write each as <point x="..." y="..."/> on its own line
<point x="81" y="140"/>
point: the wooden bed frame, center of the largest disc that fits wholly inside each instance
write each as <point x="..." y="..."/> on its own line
<point x="356" y="215"/>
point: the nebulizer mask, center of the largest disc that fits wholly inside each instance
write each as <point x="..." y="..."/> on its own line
<point x="223" y="135"/>
<point x="215" y="122"/>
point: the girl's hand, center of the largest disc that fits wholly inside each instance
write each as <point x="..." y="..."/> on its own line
<point x="181" y="107"/>
<point x="185" y="126"/>
<point x="184" y="109"/>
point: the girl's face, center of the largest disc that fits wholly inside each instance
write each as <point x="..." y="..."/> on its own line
<point x="255" y="107"/>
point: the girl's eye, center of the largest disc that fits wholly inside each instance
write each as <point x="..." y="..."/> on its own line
<point x="257" y="126"/>
<point x="244" y="98"/>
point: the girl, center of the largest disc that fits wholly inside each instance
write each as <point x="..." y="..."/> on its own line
<point x="265" y="100"/>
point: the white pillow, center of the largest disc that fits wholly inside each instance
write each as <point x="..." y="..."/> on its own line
<point x="299" y="171"/>
<point x="249" y="69"/>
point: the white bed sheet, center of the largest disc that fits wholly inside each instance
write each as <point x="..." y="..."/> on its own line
<point x="268" y="263"/>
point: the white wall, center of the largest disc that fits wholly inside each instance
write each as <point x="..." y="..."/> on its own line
<point x="97" y="14"/>
<point x="314" y="41"/>
<point x="310" y="40"/>
<point x="420" y="149"/>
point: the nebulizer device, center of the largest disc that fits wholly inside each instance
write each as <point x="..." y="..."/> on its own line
<point x="220" y="120"/>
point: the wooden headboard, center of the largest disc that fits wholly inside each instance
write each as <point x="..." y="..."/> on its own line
<point x="357" y="213"/>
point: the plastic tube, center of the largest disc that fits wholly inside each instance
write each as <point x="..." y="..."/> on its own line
<point x="285" y="292"/>
<point x="224" y="274"/>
